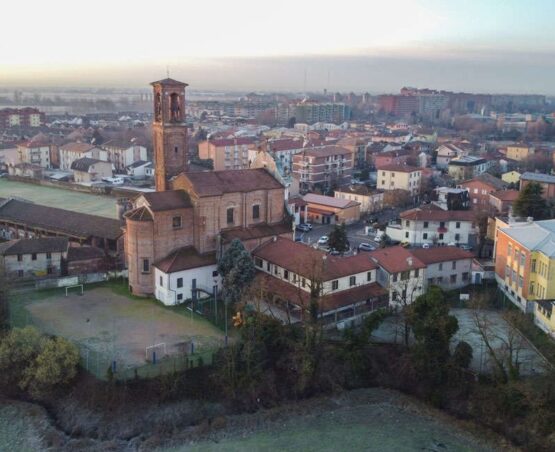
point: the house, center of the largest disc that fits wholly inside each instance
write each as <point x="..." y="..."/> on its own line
<point x="26" y="170"/>
<point x="139" y="168"/>
<point x="479" y="189"/>
<point x="284" y="149"/>
<point x="467" y="167"/>
<point x="399" y="177"/>
<point x="35" y="153"/>
<point x="501" y="201"/>
<point x="546" y="181"/>
<point x="228" y="153"/>
<point x="329" y="210"/>
<point x="544" y="316"/>
<point x="511" y="177"/>
<point x="322" y="167"/>
<point x="370" y="200"/>
<point x="289" y="271"/>
<point x="432" y="225"/>
<point x="448" y="267"/>
<point x="447" y="152"/>
<point x="73" y="151"/>
<point x="122" y="153"/>
<point x="393" y="157"/>
<point x="357" y="146"/>
<point x="525" y="262"/>
<point x="520" y="152"/>
<point x="87" y="170"/>
<point x="186" y="274"/>
<point x="400" y="273"/>
<point x="34" y="258"/>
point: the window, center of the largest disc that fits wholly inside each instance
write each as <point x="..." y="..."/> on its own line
<point x="258" y="262"/>
<point x="276" y="269"/>
<point x="457" y="237"/>
<point x="179" y="296"/>
<point x="439" y="279"/>
<point x="454" y="265"/>
<point x="531" y="288"/>
<point x="407" y="223"/>
<point x="335" y="285"/>
<point x="34" y="256"/>
<point x="458" y="224"/>
<point x="425" y="235"/>
<point x="522" y="259"/>
<point x="49" y="255"/>
<point x="407" y="234"/>
<point x="369" y="276"/>
<point x="161" y="281"/>
<point x="146" y="266"/>
<point x="176" y="222"/>
<point x="395" y="277"/>
<point x="215" y="272"/>
<point x="425" y="224"/>
<point x="179" y="283"/>
<point x="465" y="276"/>
<point x="453" y="279"/>
<point x="440" y="236"/>
<point x="442" y="224"/>
<point x="268" y="267"/>
<point x="286" y="275"/>
<point x="352" y="280"/>
<point x="303" y="282"/>
<point x="255" y="212"/>
<point x="176" y="149"/>
<point x="416" y="272"/>
<point x="440" y="266"/>
<point x="520" y="281"/>
<point x="19" y="258"/>
<point x="405" y="275"/>
<point x="533" y="265"/>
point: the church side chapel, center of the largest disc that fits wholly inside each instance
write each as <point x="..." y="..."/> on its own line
<point x="174" y="236"/>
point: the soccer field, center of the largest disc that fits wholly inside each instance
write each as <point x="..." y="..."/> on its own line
<point x="102" y="205"/>
<point x="120" y="328"/>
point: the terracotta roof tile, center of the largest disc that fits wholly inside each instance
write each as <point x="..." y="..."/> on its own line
<point x="215" y="183"/>
<point x="441" y="254"/>
<point x="159" y="201"/>
<point x="396" y="259"/>
<point x="185" y="258"/>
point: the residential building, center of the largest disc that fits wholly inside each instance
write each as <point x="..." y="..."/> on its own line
<point x="479" y="190"/>
<point x="21" y="117"/>
<point x="447" y="152"/>
<point x="467" y="167"/>
<point x="329" y="210"/>
<point x="357" y="146"/>
<point x="393" y="157"/>
<point x="546" y="181"/>
<point x="284" y="149"/>
<point x="520" y="152"/>
<point x="400" y="177"/>
<point x="323" y="167"/>
<point x="310" y="112"/>
<point x="289" y="271"/>
<point x="72" y="151"/>
<point x="33" y="258"/>
<point x="511" y="177"/>
<point x="525" y="262"/>
<point x="544" y="317"/>
<point x="432" y="225"/>
<point x="370" y="200"/>
<point x="139" y="169"/>
<point x="87" y="170"/>
<point x="401" y="273"/>
<point x="448" y="267"/>
<point x="502" y="201"/>
<point x="122" y="154"/>
<point x="228" y="153"/>
<point x="35" y="153"/>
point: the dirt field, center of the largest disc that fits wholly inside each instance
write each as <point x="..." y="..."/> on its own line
<point x="121" y="327"/>
<point x="104" y="206"/>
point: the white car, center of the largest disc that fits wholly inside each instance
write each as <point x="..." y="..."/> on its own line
<point x="323" y="240"/>
<point x="426" y="245"/>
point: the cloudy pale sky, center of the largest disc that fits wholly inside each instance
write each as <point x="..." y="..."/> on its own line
<point x="359" y="45"/>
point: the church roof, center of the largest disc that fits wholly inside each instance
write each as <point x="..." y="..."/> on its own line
<point x="184" y="259"/>
<point x="169" y="81"/>
<point x="215" y="183"/>
<point x="167" y="200"/>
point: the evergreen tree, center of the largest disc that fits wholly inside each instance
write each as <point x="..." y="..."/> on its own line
<point x="237" y="270"/>
<point x="530" y="202"/>
<point x="338" y="238"/>
<point x="4" y="304"/>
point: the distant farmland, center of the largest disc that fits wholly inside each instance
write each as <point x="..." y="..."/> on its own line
<point x="102" y="205"/>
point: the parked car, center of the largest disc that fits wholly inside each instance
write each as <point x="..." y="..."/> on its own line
<point x="425" y="246"/>
<point x="323" y="240"/>
<point x="466" y="247"/>
<point x="303" y="227"/>
<point x="366" y="247"/>
<point x="334" y="252"/>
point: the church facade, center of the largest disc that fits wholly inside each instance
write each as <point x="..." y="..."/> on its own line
<point x="174" y="236"/>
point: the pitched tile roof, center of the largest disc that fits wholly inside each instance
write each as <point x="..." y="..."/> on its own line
<point x="59" y="220"/>
<point x="159" y="201"/>
<point x="184" y="259"/>
<point x="434" y="213"/>
<point x="77" y="147"/>
<point x="215" y="183"/>
<point x="399" y="168"/>
<point x="436" y="254"/>
<point x="83" y="164"/>
<point x="257" y="231"/>
<point x="396" y="259"/>
<point x="325" y="151"/>
<point x="506" y="195"/>
<point x="38" y="245"/>
<point x="538" y="177"/>
<point x="322" y="200"/>
<point x="79" y="253"/>
<point x="488" y="179"/>
<point x="310" y="262"/>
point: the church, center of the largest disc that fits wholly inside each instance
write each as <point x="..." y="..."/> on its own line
<point x="174" y="236"/>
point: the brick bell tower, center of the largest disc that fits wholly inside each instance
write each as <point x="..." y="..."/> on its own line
<point x="169" y="131"/>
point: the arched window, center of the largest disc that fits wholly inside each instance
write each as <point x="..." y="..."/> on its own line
<point x="230" y="215"/>
<point x="256" y="211"/>
<point x="175" y="108"/>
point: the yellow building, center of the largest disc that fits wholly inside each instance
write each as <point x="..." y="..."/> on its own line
<point x="543" y="316"/>
<point x="399" y="177"/>
<point x="520" y="152"/>
<point x="512" y="177"/>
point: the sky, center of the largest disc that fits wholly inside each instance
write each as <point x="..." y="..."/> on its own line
<point x="348" y="45"/>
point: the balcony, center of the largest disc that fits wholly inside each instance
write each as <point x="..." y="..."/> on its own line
<point x="442" y="229"/>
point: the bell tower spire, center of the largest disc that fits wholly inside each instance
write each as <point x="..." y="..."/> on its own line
<point x="169" y="131"/>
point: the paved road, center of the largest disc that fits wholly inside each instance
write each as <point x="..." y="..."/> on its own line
<point x="355" y="234"/>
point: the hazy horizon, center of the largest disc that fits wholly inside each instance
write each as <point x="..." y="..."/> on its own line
<point x="482" y="47"/>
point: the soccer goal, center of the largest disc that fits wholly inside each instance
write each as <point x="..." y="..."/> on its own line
<point x="74" y="287"/>
<point x="153" y="353"/>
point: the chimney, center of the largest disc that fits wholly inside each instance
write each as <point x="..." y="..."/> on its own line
<point x="409" y="261"/>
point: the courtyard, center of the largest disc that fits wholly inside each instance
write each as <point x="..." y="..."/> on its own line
<point x="110" y="326"/>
